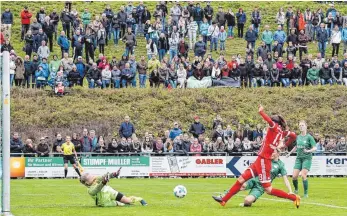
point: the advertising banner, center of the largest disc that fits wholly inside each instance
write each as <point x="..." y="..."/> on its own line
<point x="188" y="166"/>
<point x="321" y="165"/>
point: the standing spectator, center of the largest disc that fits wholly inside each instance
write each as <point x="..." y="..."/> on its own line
<point x="12" y="69"/>
<point x="341" y="145"/>
<point x="197" y="128"/>
<point x="241" y="20"/>
<point x="40" y="16"/>
<point x="48" y="29"/>
<point x="29" y="149"/>
<point x="195" y="147"/>
<point x="200" y="47"/>
<point x="222" y="37"/>
<point x="142" y="67"/>
<point x="173" y="46"/>
<point x="175" y="13"/>
<point x="303" y="39"/>
<point x="247" y="132"/>
<point x="220" y="17"/>
<point x="256" y="19"/>
<point x="19" y="72"/>
<point x="86" y="142"/>
<point x="320" y="147"/>
<point x="54" y="20"/>
<point x="126" y="129"/>
<point x="247" y="145"/>
<point x="258" y="132"/>
<point x="16" y="145"/>
<point x="230" y="19"/>
<point x="192" y="29"/>
<point x="335" y="40"/>
<point x="251" y="36"/>
<point x="77" y="142"/>
<point x="66" y="20"/>
<point x="101" y="39"/>
<point x="77" y="44"/>
<point x="204" y="30"/>
<point x="25" y="20"/>
<point x="198" y="15"/>
<point x="267" y="37"/>
<point x="42" y="149"/>
<point x="64" y="43"/>
<point x="43" y="50"/>
<point x="86" y="18"/>
<point x="58" y="142"/>
<point x="289" y="17"/>
<point x="151" y="48"/>
<point x="218" y="133"/>
<point x="130" y="42"/>
<point x="89" y="41"/>
<point x="344" y="37"/>
<point x="213" y="33"/>
<point x="325" y="74"/>
<point x="280" y="17"/>
<point x="280" y="37"/>
<point x="7" y="20"/>
<point x="29" y="71"/>
<point x="208" y="12"/>
<point x="322" y="38"/>
<point x="162" y="46"/>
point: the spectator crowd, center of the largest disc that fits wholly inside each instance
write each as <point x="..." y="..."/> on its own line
<point x="172" y="35"/>
<point x="223" y="140"/>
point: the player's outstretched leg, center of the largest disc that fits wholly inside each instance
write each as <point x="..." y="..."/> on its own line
<point x="132" y="200"/>
<point x="234" y="189"/>
<point x="305" y="181"/>
<point x="279" y="193"/>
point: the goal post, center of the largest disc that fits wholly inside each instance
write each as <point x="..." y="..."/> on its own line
<point x="5" y="133"/>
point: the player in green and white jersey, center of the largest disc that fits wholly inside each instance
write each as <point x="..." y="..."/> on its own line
<point x="305" y="146"/>
<point x="104" y="195"/>
<point x="255" y="187"/>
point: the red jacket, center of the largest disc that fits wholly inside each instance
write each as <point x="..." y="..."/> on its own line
<point x="25" y="15"/>
<point x="2" y="39"/>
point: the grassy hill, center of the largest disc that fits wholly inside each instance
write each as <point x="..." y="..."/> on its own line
<point x="35" y="114"/>
<point x="324" y="108"/>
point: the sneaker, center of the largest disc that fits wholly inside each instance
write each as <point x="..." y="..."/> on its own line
<point x="143" y="203"/>
<point x="297" y="201"/>
<point x="219" y="200"/>
<point x="305" y="195"/>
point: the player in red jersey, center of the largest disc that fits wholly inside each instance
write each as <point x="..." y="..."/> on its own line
<point x="276" y="132"/>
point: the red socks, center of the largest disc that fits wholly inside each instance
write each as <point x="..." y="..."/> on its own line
<point x="233" y="190"/>
<point x="282" y="194"/>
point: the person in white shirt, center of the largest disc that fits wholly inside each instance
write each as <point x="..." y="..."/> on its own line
<point x="12" y="68"/>
<point x="181" y="76"/>
<point x="335" y="40"/>
<point x="192" y="29"/>
<point x="213" y="33"/>
<point x="43" y="50"/>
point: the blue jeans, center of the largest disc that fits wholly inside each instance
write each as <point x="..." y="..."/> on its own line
<point x="147" y="37"/>
<point x="214" y="43"/>
<point x="256" y="29"/>
<point x="173" y="83"/>
<point x="222" y="45"/>
<point x="256" y="81"/>
<point x="280" y="49"/>
<point x="142" y="78"/>
<point x="267" y="82"/>
<point x="92" y="83"/>
<point x="155" y="40"/>
<point x="204" y="38"/>
<point x="116" y="35"/>
<point x="230" y="31"/>
<point x="285" y="82"/>
<point x="149" y="57"/>
<point x="161" y="54"/>
<point x="106" y="83"/>
<point x="11" y="79"/>
<point x="315" y="29"/>
<point x="133" y="82"/>
<point x="116" y="83"/>
<point x="326" y="81"/>
<point x="322" y="47"/>
<point x="172" y="53"/>
<point x="269" y="46"/>
<point x="199" y="24"/>
<point x="125" y="82"/>
<point x="296" y="82"/>
<point x="252" y="44"/>
<point x="129" y="51"/>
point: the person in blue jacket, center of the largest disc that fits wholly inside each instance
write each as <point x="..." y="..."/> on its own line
<point x="241" y="20"/>
<point x="281" y="37"/>
<point x="322" y="38"/>
<point x="81" y="68"/>
<point x="126" y="129"/>
<point x="176" y="131"/>
<point x="64" y="43"/>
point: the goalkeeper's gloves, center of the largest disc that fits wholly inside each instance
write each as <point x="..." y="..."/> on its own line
<point x="105" y="179"/>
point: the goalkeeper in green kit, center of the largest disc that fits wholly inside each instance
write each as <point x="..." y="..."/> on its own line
<point x="305" y="146"/>
<point x="104" y="195"/>
<point x="255" y="187"/>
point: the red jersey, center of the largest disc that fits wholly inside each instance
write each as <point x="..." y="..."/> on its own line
<point x="273" y="136"/>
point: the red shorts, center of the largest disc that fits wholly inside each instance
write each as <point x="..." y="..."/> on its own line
<point x="262" y="168"/>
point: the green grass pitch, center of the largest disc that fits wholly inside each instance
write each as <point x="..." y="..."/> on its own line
<point x="60" y="197"/>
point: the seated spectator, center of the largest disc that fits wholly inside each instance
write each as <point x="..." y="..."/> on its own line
<point x="195" y="147"/>
<point x="228" y="134"/>
<point x="325" y="74"/>
<point x="58" y="142"/>
<point x="313" y="75"/>
<point x="207" y="145"/>
<point x="126" y="129"/>
<point x="257" y="132"/>
<point x="275" y="75"/>
<point x="257" y="76"/>
<point x="186" y="143"/>
<point x="123" y="147"/>
<point x="127" y="76"/>
<point x="178" y="144"/>
<point x="147" y="145"/>
<point x="181" y="76"/>
<point x="238" y="145"/>
<point x="219" y="145"/>
<point x="344" y="70"/>
<point x="74" y="77"/>
<point x="159" y="146"/>
<point x="135" y="145"/>
<point x="247" y="145"/>
<point x="101" y="147"/>
<point x="106" y="76"/>
<point x="230" y="146"/>
<point x="116" y="76"/>
<point x="320" y="147"/>
<point x="296" y="75"/>
<point x="285" y="75"/>
<point x="76" y="142"/>
<point x="94" y="76"/>
<point x="217" y="133"/>
<point x="331" y="145"/>
<point x="42" y="149"/>
<point x="168" y="145"/>
<point x="16" y="145"/>
<point x="256" y="144"/>
<point x="113" y="146"/>
<point x="337" y="74"/>
<point x="176" y="131"/>
<point x="29" y="149"/>
<point x="341" y="145"/>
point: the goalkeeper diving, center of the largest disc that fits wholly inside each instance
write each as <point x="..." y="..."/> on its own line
<point x="104" y="195"/>
<point x="254" y="185"/>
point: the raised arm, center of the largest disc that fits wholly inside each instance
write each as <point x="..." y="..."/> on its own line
<point x="291" y="137"/>
<point x="265" y="116"/>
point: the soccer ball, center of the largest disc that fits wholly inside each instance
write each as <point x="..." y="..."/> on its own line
<point x="180" y="191"/>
